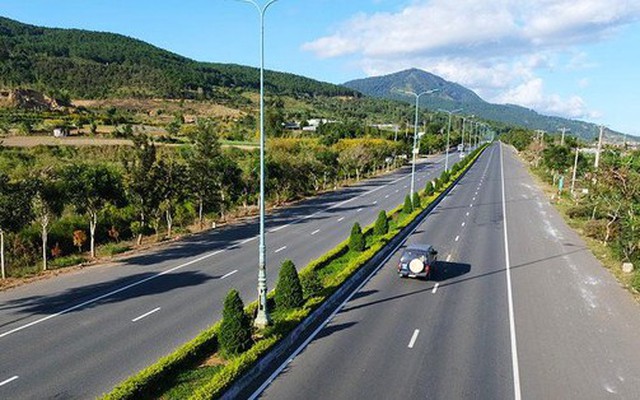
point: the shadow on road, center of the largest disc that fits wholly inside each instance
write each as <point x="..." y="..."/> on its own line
<point x="44" y="305"/>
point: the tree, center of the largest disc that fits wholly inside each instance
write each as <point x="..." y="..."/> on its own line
<point x="15" y="211"/>
<point x="416" y="201"/>
<point x="356" y="240"/>
<point x="172" y="185"/>
<point x="429" y="189"/>
<point x="79" y="239"/>
<point x="90" y="188"/>
<point x="288" y="289"/>
<point x="47" y="203"/>
<point x="234" y="336"/>
<point x="381" y="226"/>
<point x="407" y="208"/>
<point x="140" y="188"/>
<point x="203" y="162"/>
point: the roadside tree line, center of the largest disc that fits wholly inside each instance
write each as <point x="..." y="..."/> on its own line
<point x="57" y="202"/>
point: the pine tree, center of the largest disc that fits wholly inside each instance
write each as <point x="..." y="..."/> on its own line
<point x="382" y="224"/>
<point x="408" y="206"/>
<point x="235" y="331"/>
<point x="356" y="241"/>
<point x="288" y="290"/>
<point x="416" y="201"/>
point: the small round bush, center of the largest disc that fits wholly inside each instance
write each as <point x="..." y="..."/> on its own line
<point x="235" y="331"/>
<point x="288" y="289"/>
<point x="311" y="284"/>
<point x="356" y="240"/>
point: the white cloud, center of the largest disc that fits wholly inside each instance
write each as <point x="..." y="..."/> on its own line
<point x="494" y="47"/>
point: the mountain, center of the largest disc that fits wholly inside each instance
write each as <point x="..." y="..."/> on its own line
<point x="454" y="96"/>
<point x="85" y="64"/>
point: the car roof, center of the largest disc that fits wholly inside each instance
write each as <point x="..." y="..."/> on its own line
<point x="421" y="247"/>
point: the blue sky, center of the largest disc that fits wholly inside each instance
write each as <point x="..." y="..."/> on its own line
<point x="574" y="58"/>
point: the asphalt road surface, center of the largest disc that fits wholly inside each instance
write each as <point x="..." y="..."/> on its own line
<point x="518" y="309"/>
<point x="77" y="335"/>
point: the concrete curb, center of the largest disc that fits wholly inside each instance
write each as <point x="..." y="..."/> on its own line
<point x="245" y="386"/>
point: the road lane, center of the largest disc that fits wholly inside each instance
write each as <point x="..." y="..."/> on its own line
<point x="95" y="342"/>
<point x="462" y="349"/>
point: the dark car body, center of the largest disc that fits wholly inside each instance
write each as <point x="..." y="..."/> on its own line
<point x="417" y="261"/>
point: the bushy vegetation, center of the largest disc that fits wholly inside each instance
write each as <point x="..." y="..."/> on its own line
<point x="407" y="207"/>
<point x="288" y="293"/>
<point x="381" y="226"/>
<point x="356" y="239"/>
<point x="235" y="330"/>
<point x="416" y="203"/>
<point x="116" y="193"/>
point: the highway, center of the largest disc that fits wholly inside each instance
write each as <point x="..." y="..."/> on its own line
<point x="519" y="309"/>
<point x="79" y="334"/>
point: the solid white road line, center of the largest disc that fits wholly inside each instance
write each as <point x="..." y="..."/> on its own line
<point x="341" y="219"/>
<point x="414" y="337"/>
<point x="512" y="325"/>
<point x="13" y="378"/>
<point x="314" y="232"/>
<point x="280" y="249"/>
<point x="122" y="289"/>
<point x="145" y="314"/>
<point x="225" y="276"/>
<point x="435" y="288"/>
<point x="248" y="240"/>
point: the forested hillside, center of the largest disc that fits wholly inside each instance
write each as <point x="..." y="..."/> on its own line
<point x="88" y="64"/>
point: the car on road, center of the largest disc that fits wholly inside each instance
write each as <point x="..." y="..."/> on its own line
<point x="417" y="261"/>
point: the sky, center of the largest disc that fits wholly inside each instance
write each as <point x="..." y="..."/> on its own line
<point x="578" y="59"/>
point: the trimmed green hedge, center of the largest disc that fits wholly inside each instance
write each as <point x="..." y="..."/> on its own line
<point x="150" y="382"/>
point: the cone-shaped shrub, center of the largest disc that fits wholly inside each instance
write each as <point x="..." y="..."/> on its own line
<point x="288" y="289"/>
<point x="235" y="331"/>
<point x="438" y="184"/>
<point x="445" y="177"/>
<point x="428" y="190"/>
<point x="382" y="224"/>
<point x="356" y="240"/>
<point x="416" y="201"/>
<point x="407" y="208"/>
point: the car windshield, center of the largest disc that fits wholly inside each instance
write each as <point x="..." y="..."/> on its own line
<point x="411" y="254"/>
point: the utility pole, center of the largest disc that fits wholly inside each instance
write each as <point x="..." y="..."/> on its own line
<point x="575" y="169"/>
<point x="564" y="131"/>
<point x="597" y="163"/>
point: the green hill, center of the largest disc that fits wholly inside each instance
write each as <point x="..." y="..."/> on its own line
<point x="85" y="64"/>
<point x="453" y="96"/>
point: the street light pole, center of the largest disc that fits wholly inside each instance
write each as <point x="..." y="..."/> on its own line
<point x="262" y="317"/>
<point x="446" y="159"/>
<point x="575" y="169"/>
<point x="597" y="163"/>
<point x="415" y="134"/>
<point x="564" y="131"/>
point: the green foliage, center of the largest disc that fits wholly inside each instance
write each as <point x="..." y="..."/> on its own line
<point x="381" y="226"/>
<point x="429" y="190"/>
<point x="356" y="240"/>
<point x="407" y="208"/>
<point x="437" y="184"/>
<point x="416" y="201"/>
<point x="444" y="177"/>
<point x="311" y="283"/>
<point x="235" y="330"/>
<point x="519" y="138"/>
<point x="288" y="289"/>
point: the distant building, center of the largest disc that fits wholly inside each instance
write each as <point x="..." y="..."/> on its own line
<point x="60" y="132"/>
